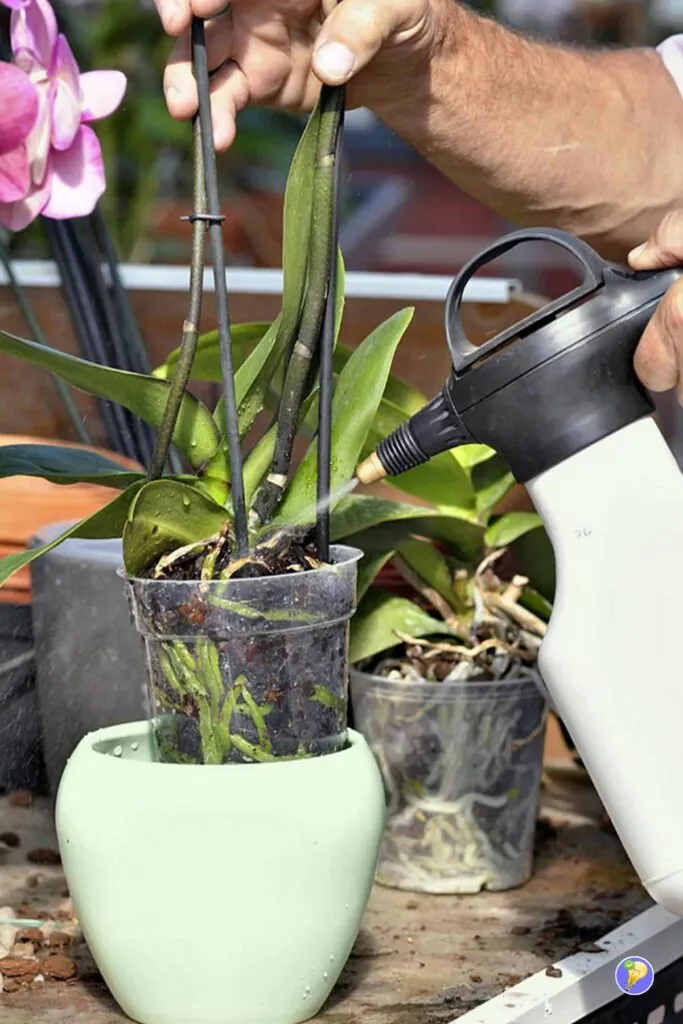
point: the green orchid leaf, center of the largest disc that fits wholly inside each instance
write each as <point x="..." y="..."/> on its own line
<point x="254" y="378"/>
<point x="491" y="480"/>
<point x="63" y="465"/>
<point x="510" y="527"/>
<point x="471" y="455"/>
<point x="254" y="375"/>
<point x="380" y="617"/>
<point x="195" y="433"/>
<point x="431" y="566"/>
<point x="106" y="523"/>
<point x="381" y="524"/>
<point x="368" y="567"/>
<point x="296" y="224"/>
<point x="536" y="558"/>
<point x="536" y="603"/>
<point x="398" y="392"/>
<point x="165" y="515"/>
<point x="258" y="461"/>
<point x="356" y="399"/>
<point x="207" y="362"/>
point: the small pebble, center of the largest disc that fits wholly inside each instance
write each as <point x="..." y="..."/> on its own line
<point x="31" y="935"/>
<point x="118" y="751"/>
<point x="17" y="967"/>
<point x="44" y="856"/>
<point x="553" y="972"/>
<point x="32" y="881"/>
<point x="134" y="746"/>
<point x="22" y="949"/>
<point x="8" y="935"/>
<point x="10" y="839"/>
<point x="520" y="929"/>
<point x="20" y="798"/>
<point x="476" y="979"/>
<point x="59" y="967"/>
<point x="59" y="940"/>
<point x="412" y="905"/>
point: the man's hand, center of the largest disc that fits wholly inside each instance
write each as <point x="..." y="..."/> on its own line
<point x="659" y="356"/>
<point x="277" y="52"/>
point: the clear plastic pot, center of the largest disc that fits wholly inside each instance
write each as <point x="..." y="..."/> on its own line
<point x="462" y="765"/>
<point x="248" y="670"/>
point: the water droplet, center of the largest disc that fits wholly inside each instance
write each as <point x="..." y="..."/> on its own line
<point x="134" y="746"/>
<point x="193" y="444"/>
<point x="305" y="995"/>
<point x="186" y="502"/>
<point x="325" y="974"/>
<point x="346" y="906"/>
<point x="331" y="959"/>
<point x="118" y="751"/>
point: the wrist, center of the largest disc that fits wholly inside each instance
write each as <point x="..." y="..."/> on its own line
<point x="428" y="70"/>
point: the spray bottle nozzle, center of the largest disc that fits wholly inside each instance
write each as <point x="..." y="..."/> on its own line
<point x="435" y="428"/>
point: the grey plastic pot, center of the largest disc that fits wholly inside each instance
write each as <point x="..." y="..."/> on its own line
<point x="462" y="765"/>
<point x="89" y="660"/>
<point x="21" y="758"/>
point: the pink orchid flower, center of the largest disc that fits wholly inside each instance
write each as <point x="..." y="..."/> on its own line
<point x="17" y="118"/>
<point x="66" y="166"/>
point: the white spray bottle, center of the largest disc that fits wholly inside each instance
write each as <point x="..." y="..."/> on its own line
<point x="557" y="397"/>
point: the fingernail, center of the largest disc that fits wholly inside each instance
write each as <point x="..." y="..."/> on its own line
<point x="638" y="251"/>
<point x="334" y="62"/>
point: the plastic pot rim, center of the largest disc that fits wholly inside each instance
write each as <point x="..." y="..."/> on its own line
<point x="348" y="556"/>
<point x="105" y="742"/>
<point x="451" y="691"/>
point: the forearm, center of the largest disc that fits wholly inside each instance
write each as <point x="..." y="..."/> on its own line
<point x="591" y="142"/>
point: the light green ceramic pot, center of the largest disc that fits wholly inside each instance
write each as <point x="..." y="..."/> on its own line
<point x="228" y="894"/>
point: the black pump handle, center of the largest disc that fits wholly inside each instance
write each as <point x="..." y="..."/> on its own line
<point x="463" y="352"/>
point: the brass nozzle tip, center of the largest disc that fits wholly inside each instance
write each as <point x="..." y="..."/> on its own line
<point x="372" y="470"/>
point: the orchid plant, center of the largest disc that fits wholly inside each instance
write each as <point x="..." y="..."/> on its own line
<point x="50" y="158"/>
<point x="232" y="517"/>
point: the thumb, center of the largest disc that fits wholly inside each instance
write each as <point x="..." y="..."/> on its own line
<point x="664" y="249"/>
<point x="356" y="30"/>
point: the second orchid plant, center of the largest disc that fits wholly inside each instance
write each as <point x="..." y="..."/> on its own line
<point x="50" y="158"/>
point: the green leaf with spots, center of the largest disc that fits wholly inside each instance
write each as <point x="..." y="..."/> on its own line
<point x="165" y="515"/>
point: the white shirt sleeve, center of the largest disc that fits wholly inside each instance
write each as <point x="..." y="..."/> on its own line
<point x="671" y="52"/>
